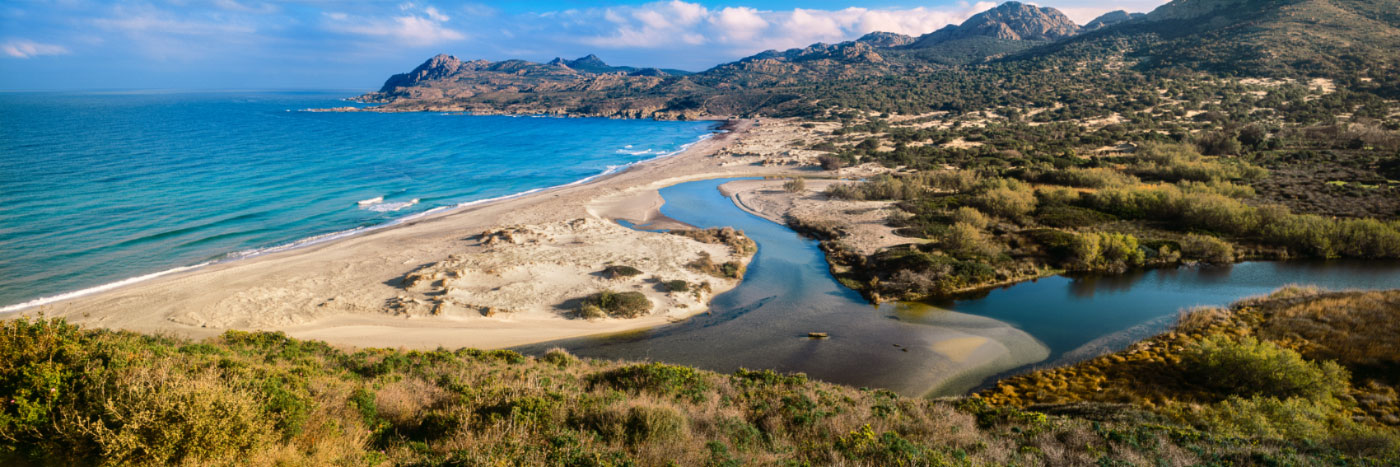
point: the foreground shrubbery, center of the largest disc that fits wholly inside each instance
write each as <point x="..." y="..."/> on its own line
<point x="101" y="397"/>
<point x="1301" y="365"/>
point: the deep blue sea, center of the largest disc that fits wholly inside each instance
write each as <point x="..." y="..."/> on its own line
<point x="101" y="188"/>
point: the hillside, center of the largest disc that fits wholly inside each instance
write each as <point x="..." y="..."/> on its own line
<point x="102" y="397"/>
<point x="1350" y="42"/>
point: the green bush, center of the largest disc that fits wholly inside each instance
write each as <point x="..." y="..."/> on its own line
<point x="676" y="286"/>
<point x="1268" y="417"/>
<point x="1090" y="251"/>
<point x="726" y="270"/>
<point x="1089" y="178"/>
<point x="616" y="304"/>
<point x="966" y="241"/>
<point x="651" y="424"/>
<point x="971" y="216"/>
<point x="1207" y="248"/>
<point x="1006" y="198"/>
<point x="657" y="378"/>
<point x="865" y="447"/>
<point x="620" y="271"/>
<point x="1248" y="367"/>
<point x="796" y="185"/>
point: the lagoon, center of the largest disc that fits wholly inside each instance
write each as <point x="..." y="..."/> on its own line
<point x="939" y="348"/>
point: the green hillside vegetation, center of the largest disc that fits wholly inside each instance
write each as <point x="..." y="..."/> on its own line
<point x="109" y="397"/>
<point x="1164" y="205"/>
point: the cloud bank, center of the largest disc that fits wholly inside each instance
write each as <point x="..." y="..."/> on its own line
<point x="738" y="29"/>
<point x="355" y="44"/>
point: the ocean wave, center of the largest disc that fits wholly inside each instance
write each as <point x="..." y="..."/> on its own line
<point x="101" y="288"/>
<point x="389" y="207"/>
<point x="371" y="201"/>
<point x="318" y="239"/>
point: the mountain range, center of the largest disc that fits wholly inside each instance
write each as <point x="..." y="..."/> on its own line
<point x="1352" y="41"/>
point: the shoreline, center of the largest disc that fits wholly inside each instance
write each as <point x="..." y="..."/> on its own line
<point x="365" y="268"/>
<point x="720" y="128"/>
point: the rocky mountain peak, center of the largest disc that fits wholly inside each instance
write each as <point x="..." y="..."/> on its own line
<point x="589" y="60"/>
<point x="1010" y="21"/>
<point x="1019" y="21"/>
<point x="440" y="66"/>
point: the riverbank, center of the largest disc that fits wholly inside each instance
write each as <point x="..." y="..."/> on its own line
<point x="352" y="291"/>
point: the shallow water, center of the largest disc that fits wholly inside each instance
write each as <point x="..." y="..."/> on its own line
<point x="1068" y="313"/>
<point x="946" y="347"/>
<point x="787" y="293"/>
<point x="96" y="188"/>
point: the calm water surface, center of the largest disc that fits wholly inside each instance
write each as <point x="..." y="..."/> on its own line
<point x="788" y="292"/>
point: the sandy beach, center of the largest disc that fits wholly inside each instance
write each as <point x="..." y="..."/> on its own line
<point x="352" y="292"/>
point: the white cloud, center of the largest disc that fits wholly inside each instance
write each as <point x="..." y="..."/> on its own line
<point x="738" y="24"/>
<point x="420" y="27"/>
<point x="28" y="49"/>
<point x="435" y="15"/>
<point x="667" y="24"/>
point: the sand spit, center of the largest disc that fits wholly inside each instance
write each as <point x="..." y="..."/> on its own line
<point x="863" y="225"/>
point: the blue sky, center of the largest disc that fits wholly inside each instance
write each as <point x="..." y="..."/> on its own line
<point x="356" y="44"/>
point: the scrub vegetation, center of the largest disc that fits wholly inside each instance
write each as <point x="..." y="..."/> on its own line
<point x="1309" y="396"/>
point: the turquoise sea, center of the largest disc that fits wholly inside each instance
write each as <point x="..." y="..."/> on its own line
<point x="96" y="189"/>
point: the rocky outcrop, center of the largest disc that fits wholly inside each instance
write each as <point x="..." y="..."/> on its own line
<point x="1009" y="21"/>
<point x="438" y="67"/>
<point x="886" y="39"/>
<point x="1111" y="18"/>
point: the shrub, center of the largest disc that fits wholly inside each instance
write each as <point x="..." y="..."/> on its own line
<point x="1009" y="199"/>
<point x="1089" y="251"/>
<point x="1208" y="249"/>
<point x="655" y="424"/>
<point x="1174" y="162"/>
<point x="619" y="271"/>
<point x="864" y="446"/>
<point x="559" y="357"/>
<point x="1056" y="195"/>
<point x="1268" y="417"/>
<point x="1118" y="250"/>
<point x="830" y="162"/>
<point x="706" y="265"/>
<point x="966" y="241"/>
<point x="970" y="216"/>
<point x="1089" y="178"/>
<point x="1249" y="367"/>
<point x="796" y="185"/>
<point x="616" y="304"/>
<point x="656" y="378"/>
<point x="737" y="242"/>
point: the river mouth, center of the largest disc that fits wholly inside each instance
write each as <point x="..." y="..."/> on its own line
<point x="937" y="348"/>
